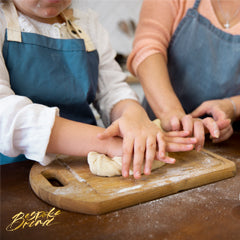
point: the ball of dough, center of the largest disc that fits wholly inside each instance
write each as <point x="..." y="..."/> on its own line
<point x="101" y="165"/>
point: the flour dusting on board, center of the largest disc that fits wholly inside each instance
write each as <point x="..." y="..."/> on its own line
<point x="129" y="189"/>
<point x="73" y="188"/>
<point x="72" y="171"/>
<point x="174" y="174"/>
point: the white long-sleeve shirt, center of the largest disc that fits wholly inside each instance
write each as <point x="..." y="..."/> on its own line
<point x="25" y="127"/>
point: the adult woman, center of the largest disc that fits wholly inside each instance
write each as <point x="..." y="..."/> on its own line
<point x="187" y="52"/>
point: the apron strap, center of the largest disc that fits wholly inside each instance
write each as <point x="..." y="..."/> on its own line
<point x="196" y="4"/>
<point x="13" y="27"/>
<point x="75" y="31"/>
<point x="14" y="30"/>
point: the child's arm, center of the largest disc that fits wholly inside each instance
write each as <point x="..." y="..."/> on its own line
<point x="78" y="139"/>
<point x="142" y="139"/>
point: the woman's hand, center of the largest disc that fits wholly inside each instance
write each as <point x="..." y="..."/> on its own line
<point x="222" y="112"/>
<point x="179" y="121"/>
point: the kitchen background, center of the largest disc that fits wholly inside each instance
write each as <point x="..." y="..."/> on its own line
<point x="118" y="17"/>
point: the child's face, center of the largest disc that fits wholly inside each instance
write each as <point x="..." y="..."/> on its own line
<point x="42" y="10"/>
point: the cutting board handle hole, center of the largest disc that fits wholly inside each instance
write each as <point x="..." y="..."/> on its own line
<point x="52" y="179"/>
<point x="55" y="182"/>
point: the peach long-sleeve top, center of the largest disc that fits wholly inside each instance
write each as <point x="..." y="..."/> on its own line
<point x="158" y="22"/>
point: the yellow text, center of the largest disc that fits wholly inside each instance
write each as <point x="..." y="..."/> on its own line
<point x="33" y="219"/>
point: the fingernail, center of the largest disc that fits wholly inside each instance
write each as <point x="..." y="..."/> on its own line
<point x="125" y="174"/>
<point x="190" y="146"/>
<point x="216" y="133"/>
<point x="171" y="160"/>
<point x="147" y="171"/>
<point x="137" y="174"/>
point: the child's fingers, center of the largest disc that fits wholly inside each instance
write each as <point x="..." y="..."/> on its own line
<point x="167" y="159"/>
<point x="151" y="147"/>
<point x="199" y="134"/>
<point x="138" y="158"/>
<point x="161" y="146"/>
<point x="187" y="123"/>
<point x="177" y="134"/>
<point x="128" y="144"/>
<point x="179" y="147"/>
<point x="182" y="140"/>
<point x="111" y="131"/>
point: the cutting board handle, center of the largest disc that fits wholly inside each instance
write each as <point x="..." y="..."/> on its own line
<point x="53" y="179"/>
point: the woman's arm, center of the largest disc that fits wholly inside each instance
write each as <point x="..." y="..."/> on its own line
<point x="154" y="78"/>
<point x="153" y="75"/>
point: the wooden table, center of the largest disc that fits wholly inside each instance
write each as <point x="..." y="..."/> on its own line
<point x="208" y="212"/>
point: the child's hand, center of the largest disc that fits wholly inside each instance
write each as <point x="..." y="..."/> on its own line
<point x="142" y="139"/>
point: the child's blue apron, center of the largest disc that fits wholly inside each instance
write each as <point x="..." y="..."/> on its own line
<point x="53" y="72"/>
<point x="203" y="62"/>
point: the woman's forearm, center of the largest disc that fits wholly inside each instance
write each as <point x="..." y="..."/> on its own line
<point x="153" y="75"/>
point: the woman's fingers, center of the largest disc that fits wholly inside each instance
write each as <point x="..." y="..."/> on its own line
<point x="224" y="134"/>
<point x="175" y="124"/>
<point x="223" y="123"/>
<point x="211" y="127"/>
<point x="201" y="110"/>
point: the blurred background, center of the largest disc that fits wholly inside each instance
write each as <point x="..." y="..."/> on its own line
<point x="120" y="18"/>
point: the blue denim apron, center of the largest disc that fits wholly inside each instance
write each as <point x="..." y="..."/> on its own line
<point x="203" y="62"/>
<point x="53" y="72"/>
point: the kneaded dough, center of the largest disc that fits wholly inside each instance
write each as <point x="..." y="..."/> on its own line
<point x="102" y="165"/>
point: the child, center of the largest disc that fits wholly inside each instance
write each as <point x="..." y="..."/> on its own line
<point x="53" y="64"/>
<point x="184" y="56"/>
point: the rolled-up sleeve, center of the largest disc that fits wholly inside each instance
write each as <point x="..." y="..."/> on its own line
<point x="154" y="31"/>
<point x="25" y="127"/>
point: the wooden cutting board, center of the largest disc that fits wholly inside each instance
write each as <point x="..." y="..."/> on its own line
<point x="69" y="184"/>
